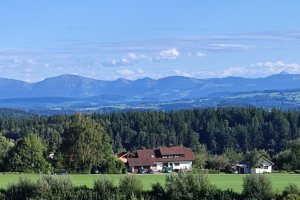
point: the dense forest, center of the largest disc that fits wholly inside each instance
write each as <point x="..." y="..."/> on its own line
<point x="219" y="129"/>
<point x="15" y="114"/>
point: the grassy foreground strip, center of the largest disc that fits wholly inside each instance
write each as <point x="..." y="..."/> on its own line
<point x="222" y="181"/>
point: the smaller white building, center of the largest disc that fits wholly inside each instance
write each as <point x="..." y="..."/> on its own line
<point x="265" y="168"/>
<point x="243" y="168"/>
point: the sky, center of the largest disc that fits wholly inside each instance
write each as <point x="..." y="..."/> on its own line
<point x="133" y="39"/>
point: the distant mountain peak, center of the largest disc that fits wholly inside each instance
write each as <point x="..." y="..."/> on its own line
<point x="284" y="73"/>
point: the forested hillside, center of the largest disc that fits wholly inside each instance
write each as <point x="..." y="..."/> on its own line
<point x="16" y="114"/>
<point x="241" y="129"/>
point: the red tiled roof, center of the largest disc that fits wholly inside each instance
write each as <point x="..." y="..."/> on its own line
<point x="145" y="159"/>
<point x="179" y="150"/>
<point x="124" y="154"/>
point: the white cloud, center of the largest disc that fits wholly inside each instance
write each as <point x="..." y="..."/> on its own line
<point x="148" y="58"/>
<point x="133" y="56"/>
<point x="17" y="60"/>
<point x="199" y="54"/>
<point x="180" y="73"/>
<point x="124" y="72"/>
<point x="253" y="70"/>
<point x="231" y="47"/>
<point x="27" y="80"/>
<point x="170" y="54"/>
<point x="46" y="65"/>
<point x="274" y="68"/>
<point x="139" y="71"/>
<point x="28" y="70"/>
<point x="117" y="62"/>
<point x="30" y="62"/>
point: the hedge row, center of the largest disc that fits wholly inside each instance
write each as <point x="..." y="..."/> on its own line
<point x="184" y="185"/>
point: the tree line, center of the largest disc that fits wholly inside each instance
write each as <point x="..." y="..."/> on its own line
<point x="240" y="130"/>
<point x="82" y="145"/>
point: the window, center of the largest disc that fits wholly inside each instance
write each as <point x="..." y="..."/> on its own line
<point x="164" y="156"/>
<point x="176" y="156"/>
<point x="152" y="156"/>
<point x="170" y="156"/>
<point x="176" y="164"/>
<point x="266" y="167"/>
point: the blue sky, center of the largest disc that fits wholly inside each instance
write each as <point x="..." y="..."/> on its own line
<point x="130" y="39"/>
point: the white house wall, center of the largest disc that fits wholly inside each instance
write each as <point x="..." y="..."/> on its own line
<point x="182" y="165"/>
<point x="159" y="166"/>
<point x="267" y="165"/>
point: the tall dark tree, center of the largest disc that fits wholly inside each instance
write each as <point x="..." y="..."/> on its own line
<point x="85" y="143"/>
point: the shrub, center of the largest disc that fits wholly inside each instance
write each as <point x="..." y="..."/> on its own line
<point x="287" y="167"/>
<point x="292" y="197"/>
<point x="55" y="185"/>
<point x="228" y="194"/>
<point x="104" y="188"/>
<point x="189" y="186"/>
<point x="2" y="194"/>
<point x="297" y="171"/>
<point x="82" y="192"/>
<point x="25" y="188"/>
<point x="131" y="186"/>
<point x="124" y="170"/>
<point x="257" y="186"/>
<point x="292" y="188"/>
<point x="157" y="192"/>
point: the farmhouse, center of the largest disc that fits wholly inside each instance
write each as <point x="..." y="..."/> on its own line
<point x="243" y="168"/>
<point x="176" y="157"/>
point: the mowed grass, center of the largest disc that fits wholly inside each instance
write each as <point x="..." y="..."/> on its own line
<point x="222" y="181"/>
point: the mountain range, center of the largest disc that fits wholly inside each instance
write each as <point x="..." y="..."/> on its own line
<point x="169" y="88"/>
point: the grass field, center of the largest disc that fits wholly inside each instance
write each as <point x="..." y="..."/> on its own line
<point x="222" y="181"/>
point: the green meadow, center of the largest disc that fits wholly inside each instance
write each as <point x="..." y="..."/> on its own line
<point x="222" y="181"/>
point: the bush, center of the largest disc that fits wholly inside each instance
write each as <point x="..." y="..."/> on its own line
<point x="25" y="188"/>
<point x="104" y="188"/>
<point x="124" y="170"/>
<point x="228" y="194"/>
<point x="287" y="167"/>
<point x="59" y="186"/>
<point x="257" y="186"/>
<point x="157" y="192"/>
<point x="2" y="194"/>
<point x="82" y="192"/>
<point x="131" y="186"/>
<point x="292" y="197"/>
<point x="297" y="171"/>
<point x="189" y="186"/>
<point x="283" y="172"/>
<point x="292" y="188"/>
